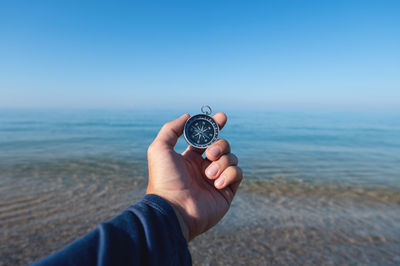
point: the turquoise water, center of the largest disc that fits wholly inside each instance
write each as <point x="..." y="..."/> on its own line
<point x="356" y="148"/>
<point x="319" y="187"/>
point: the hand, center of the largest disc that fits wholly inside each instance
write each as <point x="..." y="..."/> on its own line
<point x="199" y="190"/>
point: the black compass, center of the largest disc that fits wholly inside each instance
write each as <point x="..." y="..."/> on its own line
<point x="201" y="130"/>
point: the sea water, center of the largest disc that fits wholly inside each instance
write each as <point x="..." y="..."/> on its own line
<point x="319" y="186"/>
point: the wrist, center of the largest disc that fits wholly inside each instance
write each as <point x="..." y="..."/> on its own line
<point x="178" y="212"/>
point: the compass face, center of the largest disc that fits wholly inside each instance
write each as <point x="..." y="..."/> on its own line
<point x="201" y="131"/>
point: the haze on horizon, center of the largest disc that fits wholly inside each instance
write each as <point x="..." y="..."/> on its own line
<point x="234" y="54"/>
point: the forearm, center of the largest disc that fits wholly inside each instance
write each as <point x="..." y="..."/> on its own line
<point x="148" y="232"/>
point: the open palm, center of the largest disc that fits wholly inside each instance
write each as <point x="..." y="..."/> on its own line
<point x="199" y="189"/>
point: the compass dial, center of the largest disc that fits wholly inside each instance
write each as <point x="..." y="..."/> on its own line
<point x="201" y="131"/>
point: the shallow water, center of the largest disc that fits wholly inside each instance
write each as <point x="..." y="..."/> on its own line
<point x="319" y="188"/>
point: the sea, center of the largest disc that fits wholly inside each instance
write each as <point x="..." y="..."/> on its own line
<point x="319" y="188"/>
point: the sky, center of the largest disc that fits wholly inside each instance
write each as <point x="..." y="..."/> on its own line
<point x="227" y="54"/>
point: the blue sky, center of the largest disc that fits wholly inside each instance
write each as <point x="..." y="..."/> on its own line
<point x="164" y="54"/>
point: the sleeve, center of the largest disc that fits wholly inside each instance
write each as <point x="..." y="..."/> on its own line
<point x="146" y="233"/>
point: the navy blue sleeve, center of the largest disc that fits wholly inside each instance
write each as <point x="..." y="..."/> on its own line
<point x="147" y="233"/>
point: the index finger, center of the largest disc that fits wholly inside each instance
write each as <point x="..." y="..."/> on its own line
<point x="221" y="119"/>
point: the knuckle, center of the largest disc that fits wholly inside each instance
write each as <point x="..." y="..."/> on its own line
<point x="224" y="160"/>
<point x="231" y="171"/>
<point x="235" y="170"/>
<point x="224" y="143"/>
<point x="151" y="150"/>
<point x="233" y="159"/>
<point x="228" y="160"/>
<point x="166" y="126"/>
<point x="239" y="172"/>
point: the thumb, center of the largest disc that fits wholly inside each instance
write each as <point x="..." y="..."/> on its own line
<point x="171" y="131"/>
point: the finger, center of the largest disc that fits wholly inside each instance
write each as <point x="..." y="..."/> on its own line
<point x="215" y="169"/>
<point x="221" y="119"/>
<point x="171" y="131"/>
<point x="234" y="187"/>
<point x="215" y="151"/>
<point x="230" y="176"/>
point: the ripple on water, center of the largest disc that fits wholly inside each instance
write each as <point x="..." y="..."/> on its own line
<point x="272" y="221"/>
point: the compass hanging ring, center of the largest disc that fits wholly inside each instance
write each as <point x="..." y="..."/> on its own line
<point x="201" y="130"/>
<point x="205" y="109"/>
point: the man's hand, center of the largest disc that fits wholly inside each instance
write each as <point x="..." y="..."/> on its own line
<point x="199" y="190"/>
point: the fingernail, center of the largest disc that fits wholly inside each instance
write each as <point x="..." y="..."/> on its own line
<point x="215" y="151"/>
<point x="212" y="170"/>
<point x="220" y="181"/>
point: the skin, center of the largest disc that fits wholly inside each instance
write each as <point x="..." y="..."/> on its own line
<point x="199" y="197"/>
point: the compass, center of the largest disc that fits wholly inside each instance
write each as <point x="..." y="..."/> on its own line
<point x="201" y="130"/>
